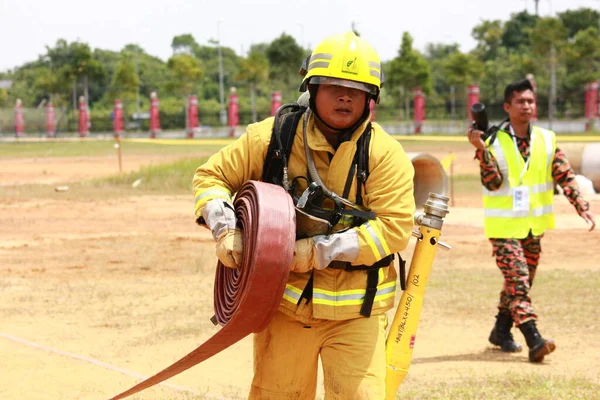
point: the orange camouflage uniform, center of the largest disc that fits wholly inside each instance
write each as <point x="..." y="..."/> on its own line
<point x="518" y="258"/>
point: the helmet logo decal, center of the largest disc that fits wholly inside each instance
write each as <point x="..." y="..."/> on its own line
<point x="350" y="66"/>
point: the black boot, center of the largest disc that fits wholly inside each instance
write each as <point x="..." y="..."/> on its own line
<point x="501" y="336"/>
<point x="538" y="346"/>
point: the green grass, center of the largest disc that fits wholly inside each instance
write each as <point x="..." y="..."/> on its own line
<point x="517" y="386"/>
<point x="168" y="178"/>
<point x="466" y="183"/>
<point x="175" y="177"/>
<point x="98" y="148"/>
<point x="576" y="291"/>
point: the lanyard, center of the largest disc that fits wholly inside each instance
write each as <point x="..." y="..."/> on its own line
<point x="526" y="166"/>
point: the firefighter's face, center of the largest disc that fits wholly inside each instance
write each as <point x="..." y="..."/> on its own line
<point x="339" y="106"/>
<point x="521" y="107"/>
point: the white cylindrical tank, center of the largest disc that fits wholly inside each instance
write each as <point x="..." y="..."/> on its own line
<point x="429" y="177"/>
<point x="584" y="159"/>
<point x="590" y="164"/>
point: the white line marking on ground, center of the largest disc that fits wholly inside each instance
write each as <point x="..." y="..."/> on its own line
<point x="101" y="364"/>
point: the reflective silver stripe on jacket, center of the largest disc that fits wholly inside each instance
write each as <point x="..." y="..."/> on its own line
<point x="377" y="240"/>
<point x="503" y="191"/>
<point x="340" y="299"/>
<point x="549" y="148"/>
<point x="503" y="167"/>
<point x="509" y="213"/>
<point x="222" y="193"/>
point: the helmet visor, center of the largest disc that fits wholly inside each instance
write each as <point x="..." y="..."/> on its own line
<point x="325" y="80"/>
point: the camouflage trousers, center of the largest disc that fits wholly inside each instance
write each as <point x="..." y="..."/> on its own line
<point x="517" y="260"/>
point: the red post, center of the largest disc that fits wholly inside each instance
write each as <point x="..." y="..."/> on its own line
<point x="472" y="98"/>
<point x="594" y="99"/>
<point x="154" y="118"/>
<point x="233" y="108"/>
<point x="419" y="109"/>
<point x="118" y="118"/>
<point x="19" y="121"/>
<point x="83" y="117"/>
<point x="192" y="113"/>
<point x="275" y="102"/>
<point x="50" y="127"/>
<point x="591" y="104"/>
<point x="534" y="85"/>
<point x="372" y="109"/>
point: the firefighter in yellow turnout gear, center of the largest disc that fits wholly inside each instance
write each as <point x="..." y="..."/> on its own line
<point x="342" y="280"/>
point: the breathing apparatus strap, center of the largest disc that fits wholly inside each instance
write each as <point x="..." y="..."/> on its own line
<point x="280" y="145"/>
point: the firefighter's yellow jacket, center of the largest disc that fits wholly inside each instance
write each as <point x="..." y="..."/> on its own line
<point x="388" y="192"/>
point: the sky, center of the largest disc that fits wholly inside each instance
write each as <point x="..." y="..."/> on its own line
<point x="28" y="26"/>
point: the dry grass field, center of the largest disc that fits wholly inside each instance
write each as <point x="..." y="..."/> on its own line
<point x="101" y="284"/>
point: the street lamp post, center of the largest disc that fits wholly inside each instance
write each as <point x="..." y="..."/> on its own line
<point x="222" y="114"/>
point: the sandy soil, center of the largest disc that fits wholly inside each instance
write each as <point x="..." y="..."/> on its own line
<point x="93" y="293"/>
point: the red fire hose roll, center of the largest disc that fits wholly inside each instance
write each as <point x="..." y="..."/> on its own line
<point x="247" y="299"/>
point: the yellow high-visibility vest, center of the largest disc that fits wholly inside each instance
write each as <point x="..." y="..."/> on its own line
<point x="500" y="218"/>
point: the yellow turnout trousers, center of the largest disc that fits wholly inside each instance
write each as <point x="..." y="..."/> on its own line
<point x="352" y="354"/>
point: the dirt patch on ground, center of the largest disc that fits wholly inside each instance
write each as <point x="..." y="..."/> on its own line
<point x="52" y="170"/>
<point x="93" y="293"/>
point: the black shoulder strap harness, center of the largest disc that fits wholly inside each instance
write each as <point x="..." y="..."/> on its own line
<point x="280" y="147"/>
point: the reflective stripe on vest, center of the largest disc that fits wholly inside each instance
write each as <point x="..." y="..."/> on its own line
<point x="375" y="239"/>
<point x="202" y="197"/>
<point x="500" y="220"/>
<point x="341" y="298"/>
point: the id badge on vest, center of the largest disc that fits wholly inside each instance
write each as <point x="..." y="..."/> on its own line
<point x="521" y="198"/>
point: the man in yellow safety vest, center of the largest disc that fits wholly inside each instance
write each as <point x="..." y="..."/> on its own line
<point x="518" y="166"/>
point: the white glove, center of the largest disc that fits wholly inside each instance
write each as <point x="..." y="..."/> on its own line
<point x="319" y="251"/>
<point x="219" y="216"/>
<point x="337" y="247"/>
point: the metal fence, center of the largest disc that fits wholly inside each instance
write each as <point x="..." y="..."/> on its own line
<point x="443" y="118"/>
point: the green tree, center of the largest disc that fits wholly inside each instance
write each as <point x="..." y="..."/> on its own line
<point x="515" y="30"/>
<point x="208" y="55"/>
<point x="488" y="35"/>
<point x="3" y="97"/>
<point x="184" y="44"/>
<point x="407" y="71"/>
<point x="435" y="54"/>
<point x="285" y="57"/>
<point x="409" y="68"/>
<point x="186" y="71"/>
<point x="254" y="70"/>
<point x="506" y="68"/>
<point x="583" y="59"/>
<point x="152" y="71"/>
<point x="579" y="20"/>
<point x="125" y="82"/>
<point x="461" y="69"/>
<point x="75" y="63"/>
<point x="547" y="33"/>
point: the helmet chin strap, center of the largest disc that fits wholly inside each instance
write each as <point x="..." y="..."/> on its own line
<point x="313" y="107"/>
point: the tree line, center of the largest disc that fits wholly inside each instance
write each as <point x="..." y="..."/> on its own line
<point x="562" y="53"/>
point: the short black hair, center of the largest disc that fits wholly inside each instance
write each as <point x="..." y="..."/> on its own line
<point x="518" y="86"/>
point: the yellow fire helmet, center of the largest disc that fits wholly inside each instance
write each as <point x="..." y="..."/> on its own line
<point x="345" y="60"/>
